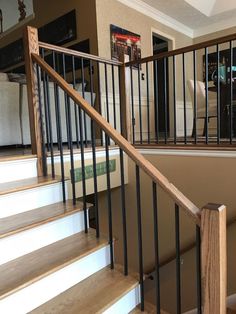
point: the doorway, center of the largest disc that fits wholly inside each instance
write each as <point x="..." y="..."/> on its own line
<point x="161" y="84"/>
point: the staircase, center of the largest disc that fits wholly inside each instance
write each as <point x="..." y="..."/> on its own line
<point x="48" y="263"/>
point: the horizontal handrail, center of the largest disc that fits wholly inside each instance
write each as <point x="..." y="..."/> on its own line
<point x="186" y="49"/>
<point x="79" y="54"/>
<point x="192" y="210"/>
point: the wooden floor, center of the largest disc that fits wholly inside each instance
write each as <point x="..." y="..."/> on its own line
<point x="93" y="295"/>
<point x="26" y="184"/>
<point x="29" y="268"/>
<point x="149" y="309"/>
<point x="36" y="217"/>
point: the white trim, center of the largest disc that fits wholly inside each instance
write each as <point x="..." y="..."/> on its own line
<point x="190" y="153"/>
<point x="158" y="16"/>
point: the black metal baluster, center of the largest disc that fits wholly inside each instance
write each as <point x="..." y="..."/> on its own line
<point x="122" y="179"/>
<point x="140" y="239"/>
<point x="184" y="100"/>
<point x="114" y="95"/>
<point x="165" y="98"/>
<point x="174" y="100"/>
<point x="206" y="93"/>
<point x="66" y="100"/>
<point x="156" y="249"/>
<point x="59" y="131"/>
<point x="231" y="91"/>
<point x="140" y="107"/>
<point x="109" y="200"/>
<point x="94" y="154"/>
<point x="132" y="103"/>
<point x="99" y="97"/>
<point x="178" y="264"/>
<point x="83" y="170"/>
<point x="198" y="269"/>
<point x="75" y="105"/>
<point x="107" y="98"/>
<point x="50" y="127"/>
<point x="156" y="100"/>
<point x="148" y="103"/>
<point x="195" y="97"/>
<point x="45" y="104"/>
<point x="83" y="95"/>
<point x="218" y="96"/>
<point x="44" y="155"/>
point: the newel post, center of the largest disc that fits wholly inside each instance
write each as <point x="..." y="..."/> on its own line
<point x="31" y="46"/>
<point x="124" y="84"/>
<point x="213" y="259"/>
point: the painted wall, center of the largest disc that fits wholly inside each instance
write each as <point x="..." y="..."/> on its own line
<point x="202" y="180"/>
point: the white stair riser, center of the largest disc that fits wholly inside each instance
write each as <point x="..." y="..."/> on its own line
<point x="126" y="303"/>
<point x="33" y="239"/>
<point x="31" y="297"/>
<point x="18" y="169"/>
<point x="22" y="201"/>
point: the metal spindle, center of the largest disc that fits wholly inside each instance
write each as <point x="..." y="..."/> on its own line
<point x="114" y="95"/>
<point x="99" y="96"/>
<point x="206" y="93"/>
<point x="83" y="95"/>
<point x="94" y="155"/>
<point x="59" y="132"/>
<point x="66" y="100"/>
<point x="174" y="100"/>
<point x="218" y="96"/>
<point x="184" y="99"/>
<point x="178" y="264"/>
<point x="123" y="205"/>
<point x="156" y="249"/>
<point x="45" y="104"/>
<point x="165" y="98"/>
<point x="109" y="201"/>
<point x="44" y="155"/>
<point x="148" y="102"/>
<point x="198" y="269"/>
<point x="50" y="127"/>
<point x="106" y="90"/>
<point x="140" y="107"/>
<point x="156" y="101"/>
<point x="231" y="92"/>
<point x="132" y="103"/>
<point x="140" y="239"/>
<point x="75" y="105"/>
<point x="195" y="97"/>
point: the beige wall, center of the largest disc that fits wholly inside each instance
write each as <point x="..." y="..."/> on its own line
<point x="214" y="35"/>
<point x="202" y="180"/>
<point x="46" y="11"/>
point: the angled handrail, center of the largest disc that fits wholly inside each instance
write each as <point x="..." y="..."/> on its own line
<point x="186" y="49"/>
<point x="191" y="209"/>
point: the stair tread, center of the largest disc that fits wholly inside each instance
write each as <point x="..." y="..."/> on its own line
<point x="7" y="157"/>
<point x="33" y="218"/>
<point x="20" y="185"/>
<point x="149" y="309"/>
<point x="25" y="270"/>
<point x="93" y="295"/>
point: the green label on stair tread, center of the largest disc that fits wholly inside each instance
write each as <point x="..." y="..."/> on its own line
<point x="101" y="169"/>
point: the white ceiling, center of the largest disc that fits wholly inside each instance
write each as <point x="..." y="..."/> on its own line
<point x="202" y="16"/>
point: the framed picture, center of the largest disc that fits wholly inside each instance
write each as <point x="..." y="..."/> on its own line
<point x="124" y="42"/>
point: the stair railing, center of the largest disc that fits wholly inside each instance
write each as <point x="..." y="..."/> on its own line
<point x="210" y="222"/>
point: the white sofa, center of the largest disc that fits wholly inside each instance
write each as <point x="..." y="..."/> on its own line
<point x="14" y="117"/>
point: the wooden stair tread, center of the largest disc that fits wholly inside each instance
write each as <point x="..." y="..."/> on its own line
<point x="149" y="309"/>
<point x="36" y="217"/>
<point x="4" y="158"/>
<point x="25" y="184"/>
<point x="29" y="268"/>
<point x="93" y="295"/>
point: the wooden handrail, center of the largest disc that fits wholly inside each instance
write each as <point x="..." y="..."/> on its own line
<point x="192" y="210"/>
<point x="186" y="49"/>
<point x="75" y="53"/>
